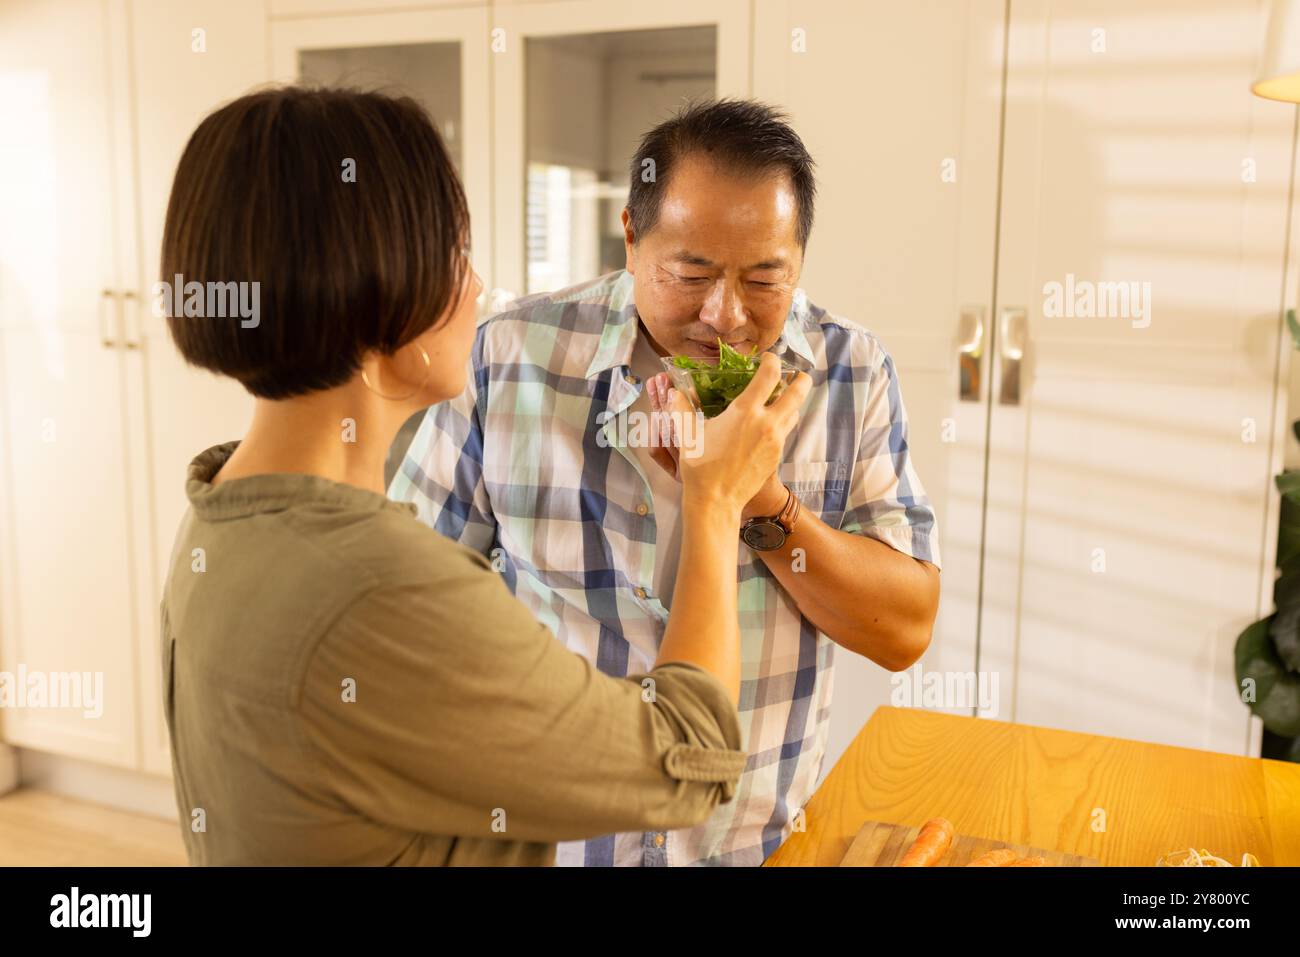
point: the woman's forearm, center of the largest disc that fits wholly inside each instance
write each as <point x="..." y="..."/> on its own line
<point x="703" y="628"/>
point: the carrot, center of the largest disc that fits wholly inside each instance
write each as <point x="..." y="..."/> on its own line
<point x="930" y="845"/>
<point x="999" y="857"/>
<point x="1029" y="862"/>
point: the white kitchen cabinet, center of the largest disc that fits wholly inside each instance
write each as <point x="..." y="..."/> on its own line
<point x="66" y="600"/>
<point x="583" y="43"/>
<point x="908" y="196"/>
<point x="61" y="71"/>
<point x="1128" y="540"/>
<point x="1108" y="533"/>
<point x="438" y="56"/>
<point x="98" y="415"/>
<point x="67" y="591"/>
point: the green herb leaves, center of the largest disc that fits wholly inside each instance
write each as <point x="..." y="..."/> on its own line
<point x="717" y="385"/>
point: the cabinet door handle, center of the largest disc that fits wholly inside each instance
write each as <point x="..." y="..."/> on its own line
<point x="105" y="321"/>
<point x="130" y="317"/>
<point x="970" y="353"/>
<point x="1013" y="335"/>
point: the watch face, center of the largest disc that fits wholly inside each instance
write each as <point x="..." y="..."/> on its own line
<point x="764" y="536"/>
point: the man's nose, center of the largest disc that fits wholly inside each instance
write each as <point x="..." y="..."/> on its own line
<point x="723" y="311"/>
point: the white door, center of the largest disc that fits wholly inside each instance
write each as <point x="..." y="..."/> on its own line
<point x="66" y="612"/>
<point x="58" y="146"/>
<point x="1130" y="472"/>
<point x="67" y="566"/>
<point x="903" y="245"/>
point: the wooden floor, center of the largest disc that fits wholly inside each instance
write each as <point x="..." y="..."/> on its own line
<point x="38" y="828"/>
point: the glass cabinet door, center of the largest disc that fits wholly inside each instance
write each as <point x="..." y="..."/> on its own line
<point x="430" y="72"/>
<point x="590" y="97"/>
<point x="576" y="84"/>
<point x="440" y="59"/>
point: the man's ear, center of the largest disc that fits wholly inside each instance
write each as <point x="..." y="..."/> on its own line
<point x="629" y="243"/>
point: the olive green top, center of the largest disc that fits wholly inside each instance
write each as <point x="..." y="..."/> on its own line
<point x="345" y="686"/>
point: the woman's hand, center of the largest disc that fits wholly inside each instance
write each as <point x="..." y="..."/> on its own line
<point x="735" y="453"/>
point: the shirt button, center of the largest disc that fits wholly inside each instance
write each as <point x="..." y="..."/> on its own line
<point x="659" y="840"/>
<point x="639" y="592"/>
<point x="641" y="509"/>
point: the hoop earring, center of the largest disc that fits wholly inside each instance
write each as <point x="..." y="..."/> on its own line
<point x="402" y="398"/>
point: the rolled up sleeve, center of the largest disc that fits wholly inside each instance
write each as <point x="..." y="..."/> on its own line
<point x="886" y="498"/>
<point x="470" y="719"/>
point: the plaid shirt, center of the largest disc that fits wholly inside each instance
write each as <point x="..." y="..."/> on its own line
<point x="514" y="469"/>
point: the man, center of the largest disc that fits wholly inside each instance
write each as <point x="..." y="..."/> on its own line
<point x="533" y="467"/>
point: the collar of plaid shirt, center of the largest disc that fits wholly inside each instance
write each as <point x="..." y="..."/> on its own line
<point x="513" y="468"/>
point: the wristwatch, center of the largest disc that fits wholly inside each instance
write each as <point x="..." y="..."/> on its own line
<point x="768" y="534"/>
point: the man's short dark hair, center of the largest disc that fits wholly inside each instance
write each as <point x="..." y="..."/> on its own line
<point x="346" y="264"/>
<point x="744" y="137"/>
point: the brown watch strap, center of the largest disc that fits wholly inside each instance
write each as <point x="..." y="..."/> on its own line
<point x="791" y="512"/>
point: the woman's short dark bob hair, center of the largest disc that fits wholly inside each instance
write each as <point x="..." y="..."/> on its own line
<point x="346" y="210"/>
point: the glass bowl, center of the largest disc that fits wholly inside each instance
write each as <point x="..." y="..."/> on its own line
<point x="719" y="387"/>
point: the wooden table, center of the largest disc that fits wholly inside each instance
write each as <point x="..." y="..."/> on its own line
<point x="1041" y="787"/>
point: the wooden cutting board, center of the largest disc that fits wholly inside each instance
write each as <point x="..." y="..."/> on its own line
<point x="883" y="845"/>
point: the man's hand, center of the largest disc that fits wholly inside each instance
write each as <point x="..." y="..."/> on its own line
<point x="664" y="440"/>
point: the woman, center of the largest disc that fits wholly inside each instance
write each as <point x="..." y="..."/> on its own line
<point x="343" y="685"/>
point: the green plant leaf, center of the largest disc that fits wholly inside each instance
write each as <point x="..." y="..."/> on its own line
<point x="1288" y="483"/>
<point x="1279" y="748"/>
<point x="1288" y="553"/>
<point x="1277" y="691"/>
<point x="1288" y="523"/>
<point x="717" y="386"/>
<point x="1293" y="326"/>
<point x="1284" y="630"/>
